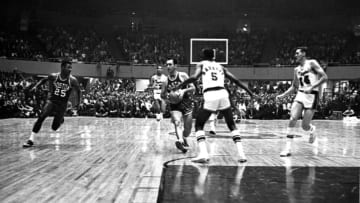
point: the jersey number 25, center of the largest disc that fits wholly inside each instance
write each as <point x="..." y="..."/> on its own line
<point x="60" y="92"/>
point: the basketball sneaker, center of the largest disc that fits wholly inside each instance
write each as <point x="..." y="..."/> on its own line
<point x="201" y="159"/>
<point x="28" y="143"/>
<point x="180" y="146"/>
<point x="212" y="132"/>
<point x="285" y="153"/>
<point x="312" y="134"/>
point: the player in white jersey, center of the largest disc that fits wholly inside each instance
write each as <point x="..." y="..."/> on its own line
<point x="308" y="77"/>
<point x="156" y="83"/>
<point x="216" y="98"/>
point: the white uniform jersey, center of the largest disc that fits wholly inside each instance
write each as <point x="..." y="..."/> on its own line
<point x="306" y="75"/>
<point x="158" y="83"/>
<point x="212" y="74"/>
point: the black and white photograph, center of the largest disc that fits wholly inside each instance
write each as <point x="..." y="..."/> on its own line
<point x="180" y="101"/>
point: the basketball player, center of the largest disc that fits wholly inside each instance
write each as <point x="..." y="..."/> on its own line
<point x="183" y="109"/>
<point x="216" y="97"/>
<point x="308" y="76"/>
<point x="60" y="87"/>
<point x="156" y="83"/>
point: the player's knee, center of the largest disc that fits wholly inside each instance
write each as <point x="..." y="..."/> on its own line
<point x="176" y="123"/>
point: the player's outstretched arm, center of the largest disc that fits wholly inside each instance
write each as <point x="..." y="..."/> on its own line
<point x="192" y="78"/>
<point x="41" y="82"/>
<point x="233" y="79"/>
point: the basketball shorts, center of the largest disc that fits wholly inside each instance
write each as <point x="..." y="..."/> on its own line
<point x="309" y="101"/>
<point x="185" y="106"/>
<point x="157" y="94"/>
<point x="216" y="100"/>
<point x="54" y="108"/>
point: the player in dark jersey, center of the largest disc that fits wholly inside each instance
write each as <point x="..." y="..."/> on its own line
<point x="184" y="108"/>
<point x="60" y="87"/>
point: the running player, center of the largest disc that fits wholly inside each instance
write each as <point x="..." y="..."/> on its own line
<point x="308" y="76"/>
<point x="182" y="110"/>
<point x="216" y="97"/>
<point x="60" y="87"/>
<point x="156" y="83"/>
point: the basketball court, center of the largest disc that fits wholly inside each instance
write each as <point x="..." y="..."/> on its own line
<point x="135" y="160"/>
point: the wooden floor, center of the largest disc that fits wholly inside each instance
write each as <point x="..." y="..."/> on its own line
<point x="121" y="160"/>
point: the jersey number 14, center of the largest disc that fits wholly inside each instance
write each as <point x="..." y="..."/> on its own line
<point x="305" y="80"/>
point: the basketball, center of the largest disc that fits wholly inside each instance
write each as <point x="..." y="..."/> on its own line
<point x="175" y="97"/>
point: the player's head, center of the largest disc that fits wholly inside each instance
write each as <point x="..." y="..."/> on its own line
<point x="171" y="64"/>
<point x="159" y="70"/>
<point x="208" y="54"/>
<point x="66" y="67"/>
<point x="300" y="53"/>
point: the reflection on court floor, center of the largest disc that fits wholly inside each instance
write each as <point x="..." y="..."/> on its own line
<point x="122" y="160"/>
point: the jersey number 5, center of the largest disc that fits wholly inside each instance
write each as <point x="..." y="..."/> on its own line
<point x="214" y="76"/>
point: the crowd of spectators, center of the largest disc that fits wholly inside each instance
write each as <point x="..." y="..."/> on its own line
<point x="15" y="98"/>
<point x="323" y="46"/>
<point x="49" y="43"/>
<point x="246" y="48"/>
<point x="79" y="44"/>
<point x="143" y="48"/>
<point x="119" y="98"/>
<point x="19" y="45"/>
<point x="352" y="58"/>
<point x="86" y="45"/>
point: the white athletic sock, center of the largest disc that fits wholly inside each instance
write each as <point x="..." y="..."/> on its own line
<point x="212" y="125"/>
<point x="289" y="141"/>
<point x="32" y="136"/>
<point x="240" y="150"/>
<point x="203" y="149"/>
<point x="202" y="144"/>
<point x="238" y="144"/>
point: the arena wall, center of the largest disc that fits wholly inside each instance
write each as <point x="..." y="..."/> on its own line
<point x="145" y="71"/>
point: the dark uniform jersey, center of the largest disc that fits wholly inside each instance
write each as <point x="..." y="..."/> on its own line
<point x="186" y="105"/>
<point x="172" y="83"/>
<point x="60" y="89"/>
